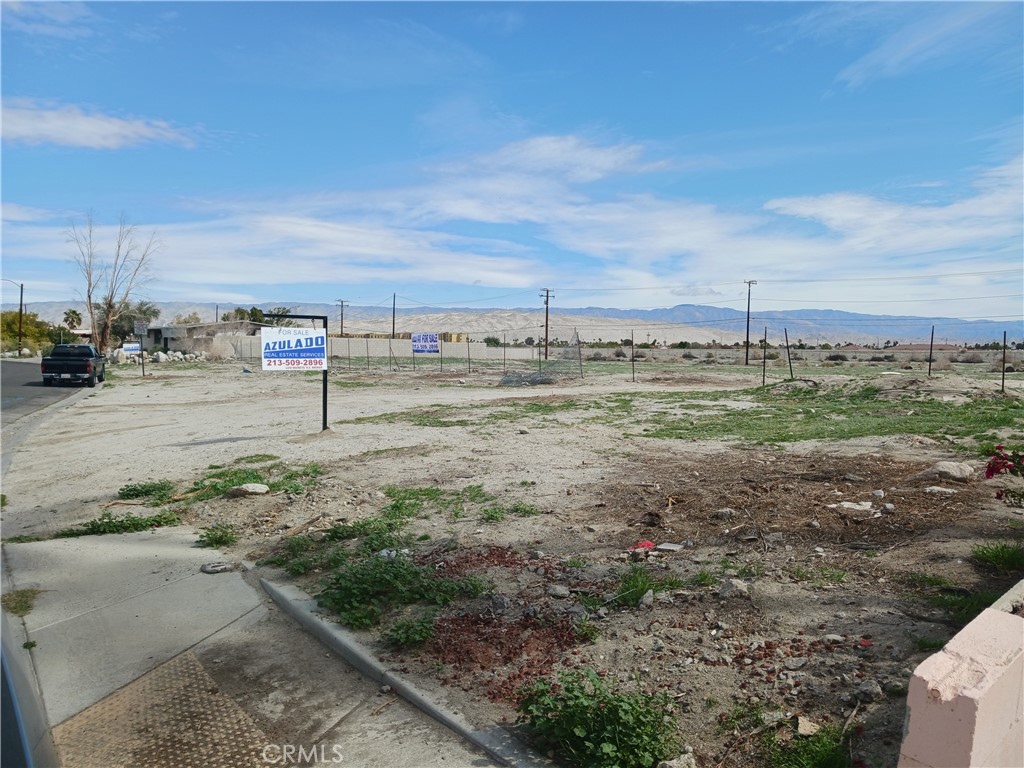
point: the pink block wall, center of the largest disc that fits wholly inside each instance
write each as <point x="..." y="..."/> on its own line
<point x="965" y="705"/>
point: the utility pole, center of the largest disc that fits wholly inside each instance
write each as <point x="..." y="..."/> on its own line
<point x="547" y="300"/>
<point x="746" y="354"/>
<point x="394" y="297"/>
<point x="341" y="316"/>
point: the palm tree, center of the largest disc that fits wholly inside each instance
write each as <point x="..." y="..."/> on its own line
<point x="72" y="318"/>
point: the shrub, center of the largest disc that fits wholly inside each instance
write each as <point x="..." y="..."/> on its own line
<point x="158" y="492"/>
<point x="837" y="357"/>
<point x="217" y="535"/>
<point x="588" y="724"/>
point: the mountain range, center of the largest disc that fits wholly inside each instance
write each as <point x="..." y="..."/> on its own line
<point x="684" y="322"/>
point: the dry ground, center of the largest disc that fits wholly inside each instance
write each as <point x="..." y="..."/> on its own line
<point x="769" y="516"/>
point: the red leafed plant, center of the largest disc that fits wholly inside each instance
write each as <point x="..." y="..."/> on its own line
<point x="1004" y="462"/>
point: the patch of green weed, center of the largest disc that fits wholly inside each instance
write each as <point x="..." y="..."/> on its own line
<point x="825" y="749"/>
<point x="1004" y="557"/>
<point x="410" y="633"/>
<point x="588" y="724"/>
<point x="157" y="492"/>
<point x="107" y="523"/>
<point x="217" y="535"/>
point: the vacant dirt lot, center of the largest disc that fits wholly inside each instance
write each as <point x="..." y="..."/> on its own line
<point x="815" y="564"/>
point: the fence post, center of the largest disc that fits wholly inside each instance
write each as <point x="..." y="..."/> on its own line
<point x="764" y="359"/>
<point x="1002" y="387"/>
<point x="931" y="356"/>
<point x="788" y="356"/>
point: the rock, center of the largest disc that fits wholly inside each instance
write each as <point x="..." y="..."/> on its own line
<point x="938" y="490"/>
<point x="856" y="506"/>
<point x="669" y="547"/>
<point x="868" y="691"/>
<point x="832" y="639"/>
<point x="957" y="471"/>
<point x="524" y="431"/>
<point x="118" y="356"/>
<point x="725" y="513"/>
<point x="558" y="590"/>
<point x="648" y="599"/>
<point x="160" y="357"/>
<point x="794" y="663"/>
<point x="248" y="489"/>
<point x="733" y="588"/>
<point x="879" y="494"/>
<point x="683" y="761"/>
<point x="500" y="603"/>
<point x="805" y="727"/>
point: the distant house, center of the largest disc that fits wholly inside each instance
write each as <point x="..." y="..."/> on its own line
<point x="179" y="335"/>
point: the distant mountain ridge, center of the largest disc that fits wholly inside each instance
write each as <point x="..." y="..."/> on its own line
<point x="684" y="322"/>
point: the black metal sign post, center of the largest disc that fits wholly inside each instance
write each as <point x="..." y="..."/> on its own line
<point x="311" y="317"/>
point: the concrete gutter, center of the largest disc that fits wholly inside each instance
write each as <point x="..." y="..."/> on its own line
<point x="497" y="742"/>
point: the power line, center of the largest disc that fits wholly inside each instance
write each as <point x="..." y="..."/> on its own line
<point x="891" y="301"/>
<point x="787" y="281"/>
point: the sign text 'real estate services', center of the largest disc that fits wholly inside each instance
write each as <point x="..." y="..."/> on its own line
<point x="294" y="349"/>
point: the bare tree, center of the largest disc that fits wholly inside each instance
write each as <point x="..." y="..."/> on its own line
<point x="110" y="283"/>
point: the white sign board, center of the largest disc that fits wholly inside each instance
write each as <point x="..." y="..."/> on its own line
<point x="424" y="342"/>
<point x="294" y="349"/>
<point x="131" y="348"/>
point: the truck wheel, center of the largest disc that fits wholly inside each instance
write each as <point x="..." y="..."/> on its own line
<point x="92" y="380"/>
<point x="103" y="376"/>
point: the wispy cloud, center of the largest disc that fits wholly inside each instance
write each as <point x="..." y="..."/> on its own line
<point x="571" y="158"/>
<point x="957" y="29"/>
<point x="13" y="212"/>
<point x="866" y="225"/>
<point x="898" y="39"/>
<point x="68" y="21"/>
<point x="497" y="219"/>
<point x="26" y="121"/>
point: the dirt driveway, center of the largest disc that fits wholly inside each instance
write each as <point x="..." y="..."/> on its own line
<point x="809" y="565"/>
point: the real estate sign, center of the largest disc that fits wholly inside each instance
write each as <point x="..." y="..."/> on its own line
<point x="423" y="343"/>
<point x="294" y="349"/>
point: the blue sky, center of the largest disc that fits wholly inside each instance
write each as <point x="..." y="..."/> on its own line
<point x="865" y="157"/>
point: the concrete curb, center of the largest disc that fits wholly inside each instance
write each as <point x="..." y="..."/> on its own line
<point x="497" y="742"/>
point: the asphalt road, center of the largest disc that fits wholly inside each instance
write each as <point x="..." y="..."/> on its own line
<point x="21" y="394"/>
<point x="22" y="391"/>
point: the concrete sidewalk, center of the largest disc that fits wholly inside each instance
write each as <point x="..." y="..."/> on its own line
<point x="143" y="660"/>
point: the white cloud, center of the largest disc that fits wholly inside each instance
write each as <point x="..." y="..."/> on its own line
<point x="61" y="20"/>
<point x="924" y="42"/>
<point x="26" y="121"/>
<point x="493" y="222"/>
<point x="897" y="39"/>
<point x="866" y="224"/>
<point x="572" y="158"/>
<point x="13" y="212"/>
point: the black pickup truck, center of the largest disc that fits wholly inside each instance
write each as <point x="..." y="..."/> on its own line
<point x="74" y="362"/>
